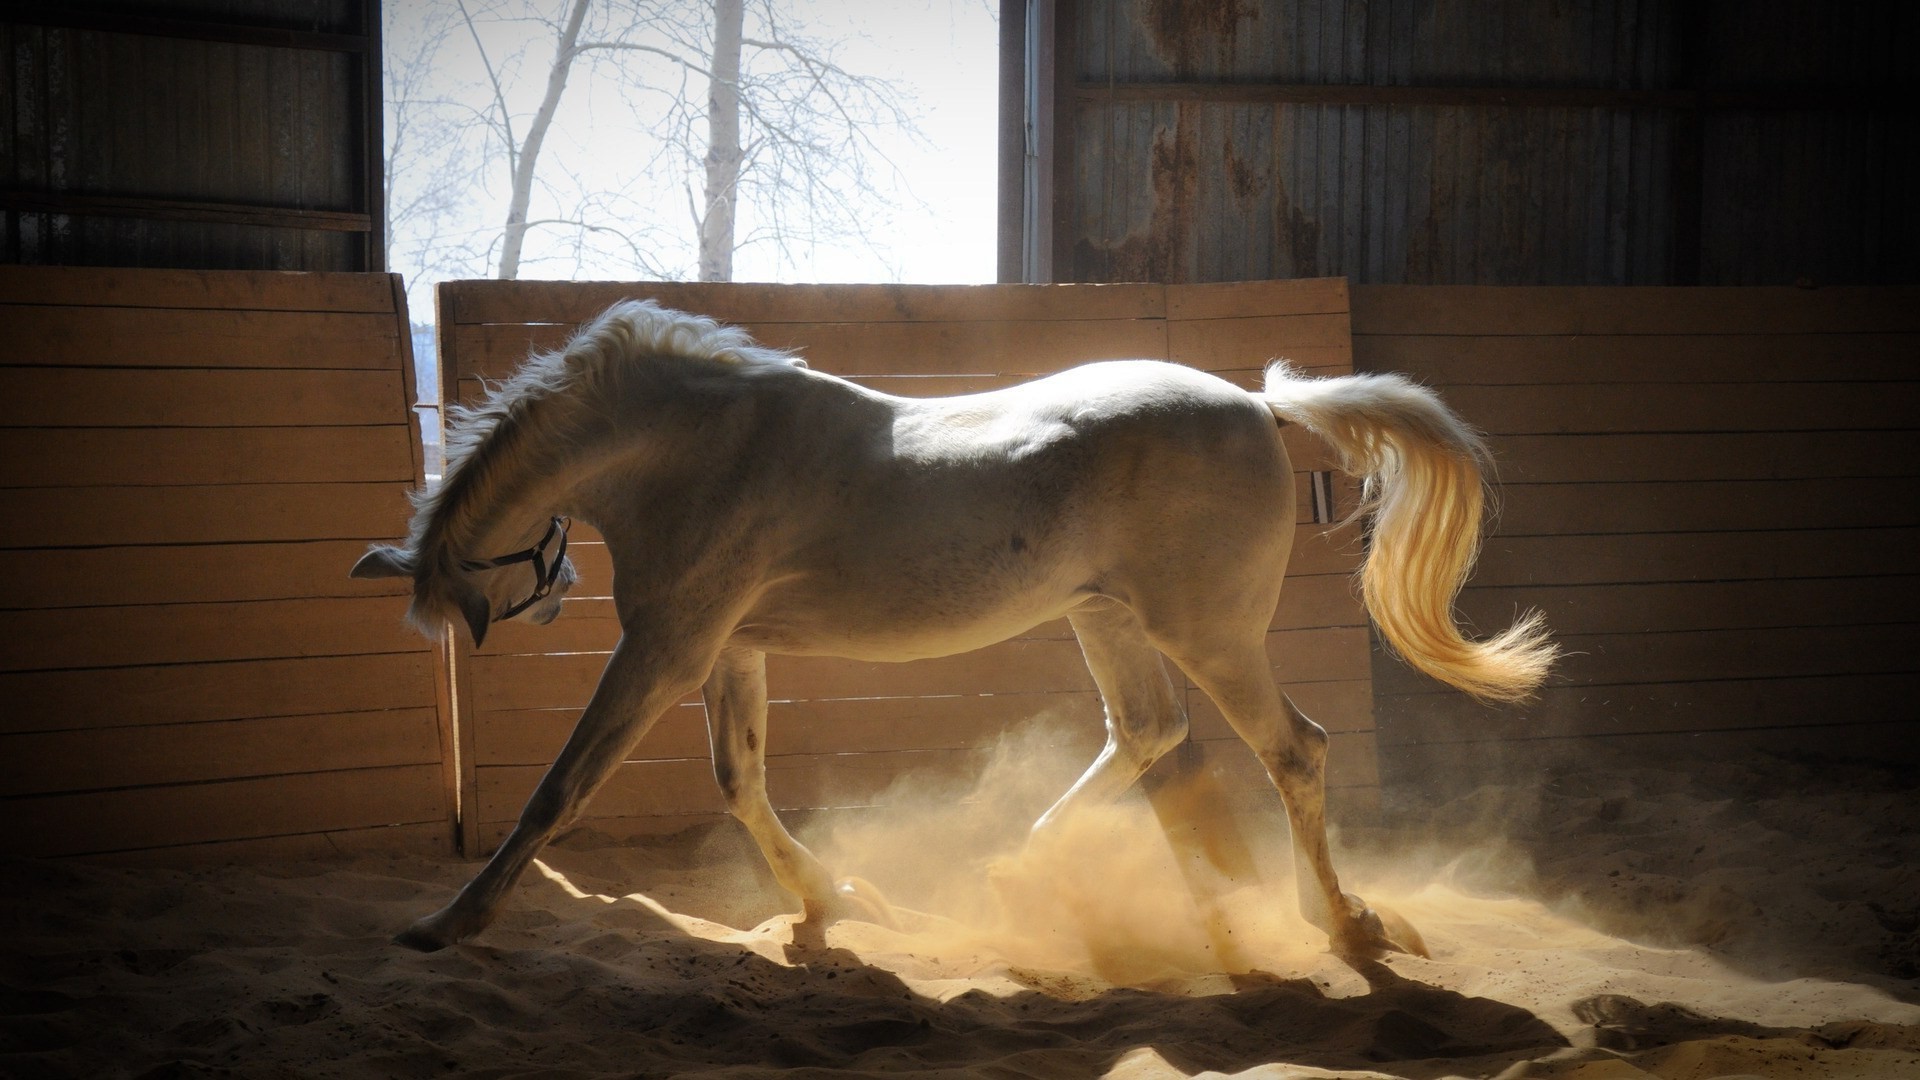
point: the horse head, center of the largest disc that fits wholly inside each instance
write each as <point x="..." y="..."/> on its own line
<point x="529" y="583"/>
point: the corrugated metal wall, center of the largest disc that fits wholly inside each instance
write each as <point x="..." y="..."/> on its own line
<point x="238" y="134"/>
<point x="1423" y="142"/>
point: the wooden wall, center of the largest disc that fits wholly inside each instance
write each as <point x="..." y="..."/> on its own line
<point x="841" y="730"/>
<point x="1613" y="142"/>
<point x="191" y="463"/>
<point x="1714" y="495"/>
<point x="238" y="134"/>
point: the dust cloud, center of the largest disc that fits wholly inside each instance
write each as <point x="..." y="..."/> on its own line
<point x="1182" y="883"/>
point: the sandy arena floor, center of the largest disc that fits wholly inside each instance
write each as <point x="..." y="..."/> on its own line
<point x="1756" y="919"/>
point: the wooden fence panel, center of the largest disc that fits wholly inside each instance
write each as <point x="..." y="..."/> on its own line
<point x="192" y="461"/>
<point x="1713" y="495"/>
<point x="840" y="730"/>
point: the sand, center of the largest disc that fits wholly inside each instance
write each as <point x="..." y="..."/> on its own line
<point x="1746" y="919"/>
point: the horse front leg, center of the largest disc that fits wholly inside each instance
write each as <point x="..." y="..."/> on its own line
<point x="736" y="700"/>
<point x="638" y="685"/>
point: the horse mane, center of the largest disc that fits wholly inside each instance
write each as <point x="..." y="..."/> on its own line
<point x="482" y="436"/>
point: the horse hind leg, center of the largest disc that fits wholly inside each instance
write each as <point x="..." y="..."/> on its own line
<point x="1144" y="713"/>
<point x="736" y="699"/>
<point x="1294" y="751"/>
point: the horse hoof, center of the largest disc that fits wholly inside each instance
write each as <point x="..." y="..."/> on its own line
<point x="1399" y="934"/>
<point x="857" y="898"/>
<point x="420" y="940"/>
<point x="433" y="933"/>
<point x="1368" y="933"/>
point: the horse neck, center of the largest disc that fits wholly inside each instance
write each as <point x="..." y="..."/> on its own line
<point x="515" y="478"/>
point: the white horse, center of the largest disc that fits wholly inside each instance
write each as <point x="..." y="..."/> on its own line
<point x="752" y="505"/>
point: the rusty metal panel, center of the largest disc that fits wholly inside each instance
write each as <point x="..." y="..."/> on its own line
<point x="1423" y="142"/>
<point x="1195" y="191"/>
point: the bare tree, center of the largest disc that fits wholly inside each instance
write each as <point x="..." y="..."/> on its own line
<point x="424" y="144"/>
<point x="724" y="156"/>
<point x="783" y="130"/>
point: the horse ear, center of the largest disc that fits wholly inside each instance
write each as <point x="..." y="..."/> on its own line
<point x="479" y="613"/>
<point x="383" y="561"/>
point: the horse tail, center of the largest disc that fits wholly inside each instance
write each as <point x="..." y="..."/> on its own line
<point x="1424" y="482"/>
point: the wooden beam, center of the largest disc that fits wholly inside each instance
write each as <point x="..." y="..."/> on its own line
<point x="1013" y="140"/>
<point x="1058" y="159"/>
<point x="273" y="217"/>
<point x="65" y="17"/>
<point x="1818" y="99"/>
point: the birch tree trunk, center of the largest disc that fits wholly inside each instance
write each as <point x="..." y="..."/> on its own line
<point x="724" y="156"/>
<point x="528" y="154"/>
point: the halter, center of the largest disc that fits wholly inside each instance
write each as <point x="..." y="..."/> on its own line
<point x="545" y="574"/>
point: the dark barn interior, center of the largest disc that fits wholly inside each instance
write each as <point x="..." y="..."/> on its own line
<point x="1665" y="253"/>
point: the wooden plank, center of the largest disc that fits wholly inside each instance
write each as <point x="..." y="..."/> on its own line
<point x="1640" y="458"/>
<point x="217" y="290"/>
<point x="1319" y="655"/>
<point x="1603" y="660"/>
<point x="636" y="831"/>
<point x="77" y="457"/>
<point x="1244" y="362"/>
<point x="1324" y="549"/>
<point x="1496" y="310"/>
<point x="584" y="626"/>
<point x="1706" y="506"/>
<point x="1627" y="608"/>
<point x="1613" y="409"/>
<point x="636" y="789"/>
<point x="134" y="818"/>
<point x="1352" y="761"/>
<point x="1241" y="299"/>
<point x="686" y="786"/>
<point x="203" y="513"/>
<point x="1318" y="601"/>
<point x="48" y="397"/>
<point x="1685" y="707"/>
<point x="848" y="726"/>
<point x="93" y="577"/>
<point x="1340" y="706"/>
<point x="540" y="681"/>
<point x="154" y="338"/>
<point x="577" y="301"/>
<point x="1036" y="347"/>
<point x="1316" y="342"/>
<point x="429" y="837"/>
<point x="229" y="690"/>
<point x="1803" y="553"/>
<point x="199" y="633"/>
<point x="535" y="736"/>
<point x="103" y="758"/>
<point x="1568" y="359"/>
<point x="1469" y="763"/>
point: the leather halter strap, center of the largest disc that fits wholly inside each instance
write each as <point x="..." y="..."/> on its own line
<point x="545" y="574"/>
